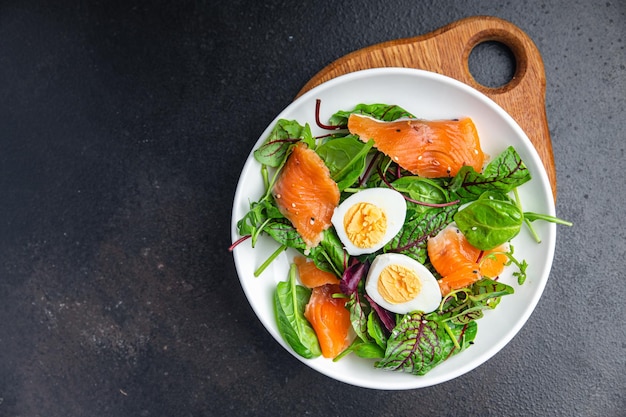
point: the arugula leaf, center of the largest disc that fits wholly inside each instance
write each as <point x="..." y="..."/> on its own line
<point x="383" y="112"/>
<point x="506" y="172"/>
<point x="290" y="302"/>
<point x="280" y="140"/>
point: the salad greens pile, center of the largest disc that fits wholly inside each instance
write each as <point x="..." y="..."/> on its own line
<point x="485" y="206"/>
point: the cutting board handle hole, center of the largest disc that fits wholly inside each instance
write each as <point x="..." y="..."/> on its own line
<point x="492" y="64"/>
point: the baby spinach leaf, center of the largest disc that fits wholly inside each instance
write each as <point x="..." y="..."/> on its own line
<point x="345" y="158"/>
<point x="284" y="134"/>
<point x="363" y="349"/>
<point x="489" y="222"/>
<point x="506" y="172"/>
<point x="290" y="301"/>
<point x="421" y="189"/>
<point x="375" y="330"/>
<point x="329" y="255"/>
<point x="367" y="350"/>
<point x="383" y="112"/>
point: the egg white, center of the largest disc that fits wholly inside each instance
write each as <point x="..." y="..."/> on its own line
<point x="388" y="200"/>
<point x="427" y="300"/>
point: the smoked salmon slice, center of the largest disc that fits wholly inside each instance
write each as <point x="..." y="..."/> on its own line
<point x="311" y="276"/>
<point x="459" y="263"/>
<point x="430" y="149"/>
<point x="306" y="194"/>
<point x="330" y="319"/>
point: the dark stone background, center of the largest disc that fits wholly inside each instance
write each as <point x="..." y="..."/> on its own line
<point x="123" y="126"/>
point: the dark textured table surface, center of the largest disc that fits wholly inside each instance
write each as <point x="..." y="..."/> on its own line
<point x="123" y="126"/>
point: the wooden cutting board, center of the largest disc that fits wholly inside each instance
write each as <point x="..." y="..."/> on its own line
<point x="446" y="51"/>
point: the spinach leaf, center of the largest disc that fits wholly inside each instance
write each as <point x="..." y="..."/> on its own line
<point x="412" y="238"/>
<point x="284" y="134"/>
<point x="376" y="330"/>
<point x="421" y="189"/>
<point x="490" y="221"/>
<point x="363" y="349"/>
<point x="506" y="172"/>
<point x="423" y="193"/>
<point x="345" y="158"/>
<point x="383" y="112"/>
<point x="290" y="302"/>
<point x="420" y="342"/>
<point x="329" y="255"/>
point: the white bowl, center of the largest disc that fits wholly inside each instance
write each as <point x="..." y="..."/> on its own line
<point x="429" y="96"/>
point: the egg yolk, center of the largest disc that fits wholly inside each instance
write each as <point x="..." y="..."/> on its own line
<point x="398" y="284"/>
<point x="365" y="224"/>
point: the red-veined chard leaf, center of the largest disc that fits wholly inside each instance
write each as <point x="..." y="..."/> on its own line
<point x="282" y="137"/>
<point x="358" y="314"/>
<point x="383" y="112"/>
<point x="506" y="172"/>
<point x="467" y="304"/>
<point x="412" y="239"/>
<point x="351" y="284"/>
<point x="420" y="342"/>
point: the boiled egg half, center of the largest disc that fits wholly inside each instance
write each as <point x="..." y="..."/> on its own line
<point x="401" y="285"/>
<point x="367" y="220"/>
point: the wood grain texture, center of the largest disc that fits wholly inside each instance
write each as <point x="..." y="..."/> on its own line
<point x="446" y="51"/>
